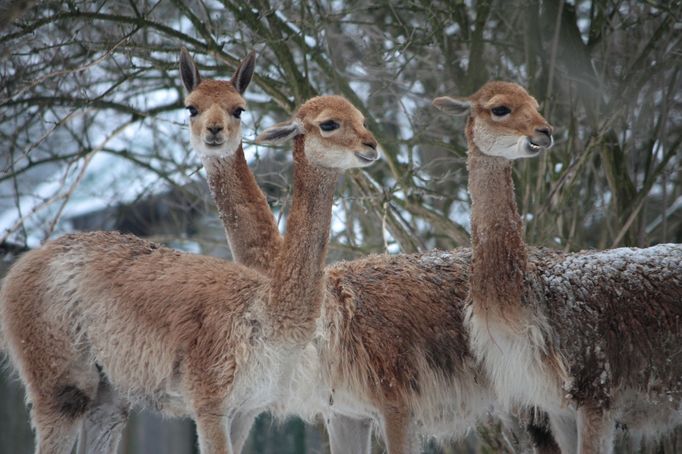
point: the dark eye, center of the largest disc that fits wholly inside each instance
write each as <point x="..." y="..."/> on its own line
<point x="500" y="111"/>
<point x="238" y="112"/>
<point x="192" y="111"/>
<point x="329" y="125"/>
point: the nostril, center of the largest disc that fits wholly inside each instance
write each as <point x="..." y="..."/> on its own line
<point x="372" y="145"/>
<point x="215" y="129"/>
<point x="545" y="130"/>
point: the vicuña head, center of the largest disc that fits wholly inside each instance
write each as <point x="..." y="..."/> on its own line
<point x="215" y="106"/>
<point x="334" y="133"/>
<point x="503" y="120"/>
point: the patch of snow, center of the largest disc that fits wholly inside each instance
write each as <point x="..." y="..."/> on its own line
<point x="435" y="258"/>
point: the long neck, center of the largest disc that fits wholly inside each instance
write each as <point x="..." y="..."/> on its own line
<point x="499" y="259"/>
<point x="298" y="278"/>
<point x="249" y="224"/>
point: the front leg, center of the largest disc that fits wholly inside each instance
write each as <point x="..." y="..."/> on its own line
<point x="595" y="430"/>
<point x="349" y="435"/>
<point x="399" y="434"/>
<point x="213" y="433"/>
<point x="240" y="428"/>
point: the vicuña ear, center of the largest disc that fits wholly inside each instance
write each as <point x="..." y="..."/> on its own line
<point x="452" y="106"/>
<point x="188" y="71"/>
<point x="281" y="132"/>
<point x="244" y="72"/>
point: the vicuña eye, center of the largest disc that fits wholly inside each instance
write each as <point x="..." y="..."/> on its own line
<point x="238" y="112"/>
<point x="192" y="111"/>
<point x="500" y="111"/>
<point x="329" y="125"/>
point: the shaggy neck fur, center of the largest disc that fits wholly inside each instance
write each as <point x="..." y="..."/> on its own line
<point x="499" y="251"/>
<point x="298" y="277"/>
<point x="250" y="226"/>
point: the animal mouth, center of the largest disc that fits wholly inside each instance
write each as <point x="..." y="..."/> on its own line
<point x="214" y="143"/>
<point x="535" y="145"/>
<point x="367" y="157"/>
<point x="534" y="148"/>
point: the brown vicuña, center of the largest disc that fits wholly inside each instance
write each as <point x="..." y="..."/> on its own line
<point x="97" y="322"/>
<point x="589" y="337"/>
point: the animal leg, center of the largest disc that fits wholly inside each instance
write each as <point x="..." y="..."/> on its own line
<point x="540" y="438"/>
<point x="399" y="435"/>
<point x="349" y="435"/>
<point x="595" y="431"/>
<point x="565" y="430"/>
<point x="240" y="428"/>
<point x="61" y="380"/>
<point x="213" y="433"/>
<point x="104" y="423"/>
<point x="59" y="408"/>
<point x="56" y="432"/>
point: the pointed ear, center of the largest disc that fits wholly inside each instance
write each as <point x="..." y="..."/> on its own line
<point x="188" y="71"/>
<point x="281" y="132"/>
<point x="242" y="76"/>
<point x="452" y="106"/>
